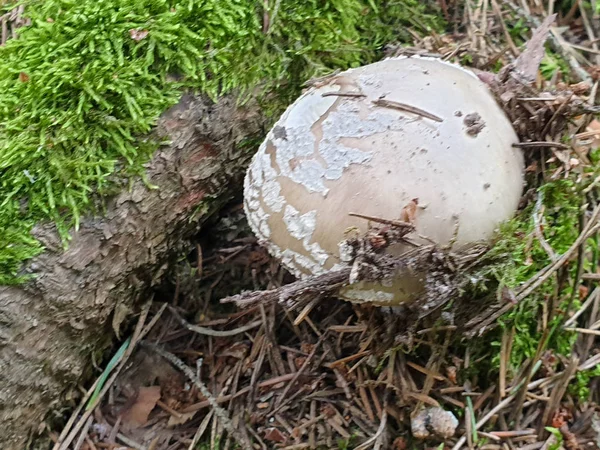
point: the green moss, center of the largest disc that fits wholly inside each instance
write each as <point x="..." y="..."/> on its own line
<point x="83" y="85"/>
<point x="516" y="256"/>
<point x="552" y="63"/>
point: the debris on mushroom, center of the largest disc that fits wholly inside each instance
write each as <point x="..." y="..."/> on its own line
<point x="433" y="422"/>
<point x="384" y="140"/>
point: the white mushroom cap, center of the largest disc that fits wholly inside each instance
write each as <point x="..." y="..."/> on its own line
<point x="330" y="155"/>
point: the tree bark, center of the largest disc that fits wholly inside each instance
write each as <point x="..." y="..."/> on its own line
<point x="51" y="326"/>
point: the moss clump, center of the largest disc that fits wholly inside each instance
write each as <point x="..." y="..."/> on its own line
<point x="518" y="255"/>
<point x="83" y="85"/>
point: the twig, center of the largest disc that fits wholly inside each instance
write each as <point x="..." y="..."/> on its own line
<point x="215" y="333"/>
<point x="343" y="94"/>
<point x="84" y="433"/>
<point x="542" y="144"/>
<point x="394" y="223"/>
<point x="228" y="397"/>
<point x="375" y="438"/>
<point x="507" y="36"/>
<point x="300" y="371"/>
<point x="584" y="331"/>
<point x="558" y="393"/>
<point x="129" y="442"/>
<point x="499" y="407"/>
<point x="558" y="111"/>
<point x="329" y="282"/>
<point x="220" y="412"/>
<point x="537" y="227"/>
<point x="406" y="108"/>
<point x="591" y="298"/>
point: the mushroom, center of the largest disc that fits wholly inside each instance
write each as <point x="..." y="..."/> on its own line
<point x="372" y="140"/>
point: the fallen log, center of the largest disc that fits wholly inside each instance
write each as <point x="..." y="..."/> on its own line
<point x="51" y="327"/>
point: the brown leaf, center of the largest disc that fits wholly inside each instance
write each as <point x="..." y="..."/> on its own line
<point x="138" y="35"/>
<point x="593" y="127"/>
<point x="580" y="88"/>
<point x="183" y="418"/>
<point x="273" y="434"/>
<point x="23" y="77"/>
<point x="400" y="443"/>
<point x="528" y="62"/>
<point x="137" y="415"/>
<point x="409" y="211"/>
<point x="451" y="372"/>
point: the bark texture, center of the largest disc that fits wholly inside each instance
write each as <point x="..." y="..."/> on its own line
<point x="50" y="327"/>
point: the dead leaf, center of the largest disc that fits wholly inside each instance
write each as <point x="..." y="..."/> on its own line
<point x="273" y="434"/>
<point x="408" y="213"/>
<point x="451" y="372"/>
<point x="528" y="62"/>
<point x="137" y="415"/>
<point x="23" y="77"/>
<point x="580" y="88"/>
<point x="594" y="126"/>
<point x="183" y="418"/>
<point x="138" y="35"/>
<point x="400" y="443"/>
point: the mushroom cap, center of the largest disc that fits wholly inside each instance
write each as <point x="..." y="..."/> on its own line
<point x="331" y="154"/>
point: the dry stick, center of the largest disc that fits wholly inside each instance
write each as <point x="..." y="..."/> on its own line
<point x="558" y="111"/>
<point x="225" y="398"/>
<point x="558" y="393"/>
<point x="375" y="439"/>
<point x="84" y="433"/>
<point x="395" y="223"/>
<point x="584" y="331"/>
<point x="591" y="298"/>
<point x="140" y="331"/>
<point x="504" y="356"/>
<point x="209" y="331"/>
<point x="588" y="28"/>
<point x="302" y="369"/>
<point x="542" y="144"/>
<point x="406" y="108"/>
<point x="537" y="226"/>
<point x="503" y="404"/>
<point x="507" y="36"/>
<point x="591" y="277"/>
<point x="321" y="285"/>
<point x="220" y="412"/>
<point x="591" y="362"/>
<point x="343" y="94"/>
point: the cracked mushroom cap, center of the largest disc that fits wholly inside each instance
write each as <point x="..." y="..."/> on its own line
<point x="371" y="140"/>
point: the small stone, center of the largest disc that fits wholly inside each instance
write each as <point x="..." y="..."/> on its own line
<point x="443" y="423"/>
<point x="434" y="421"/>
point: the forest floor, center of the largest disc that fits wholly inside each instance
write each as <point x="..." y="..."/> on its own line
<point x="516" y="361"/>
